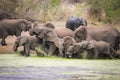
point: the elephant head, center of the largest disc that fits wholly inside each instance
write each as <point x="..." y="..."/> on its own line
<point x="79" y="47"/>
<point x="81" y="22"/>
<point x="68" y="41"/>
<point x="44" y="33"/>
<point x="34" y="31"/>
<point x="74" y="22"/>
<point x="50" y="35"/>
<point x="39" y="32"/>
<point x="80" y="34"/>
<point x="20" y="41"/>
<point x="25" y="25"/>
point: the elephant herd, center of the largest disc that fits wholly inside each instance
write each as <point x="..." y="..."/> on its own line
<point x="70" y="41"/>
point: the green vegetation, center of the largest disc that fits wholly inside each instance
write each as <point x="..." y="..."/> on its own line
<point x="59" y="10"/>
<point x="105" y="10"/>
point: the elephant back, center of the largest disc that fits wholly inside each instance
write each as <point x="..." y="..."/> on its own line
<point x="62" y="32"/>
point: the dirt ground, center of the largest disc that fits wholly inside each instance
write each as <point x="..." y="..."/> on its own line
<point x="10" y="40"/>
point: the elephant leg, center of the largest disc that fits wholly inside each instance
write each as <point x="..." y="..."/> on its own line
<point x="61" y="52"/>
<point x="22" y="53"/>
<point x="3" y="43"/>
<point x="51" y="49"/>
<point x="110" y="55"/>
<point x="114" y="53"/>
<point x="89" y="54"/>
<point x="27" y="50"/>
<point x="15" y="48"/>
<point x="96" y="53"/>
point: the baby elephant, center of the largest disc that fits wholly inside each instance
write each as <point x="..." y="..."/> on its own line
<point x="93" y="48"/>
<point x="29" y="43"/>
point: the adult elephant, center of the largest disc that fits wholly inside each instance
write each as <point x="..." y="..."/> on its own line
<point x="107" y="34"/>
<point x="29" y="43"/>
<point x="52" y="37"/>
<point x="75" y="22"/>
<point x="61" y="32"/>
<point x="13" y="27"/>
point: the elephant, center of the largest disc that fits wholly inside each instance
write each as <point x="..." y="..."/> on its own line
<point x="53" y="37"/>
<point x="30" y="43"/>
<point x="75" y="22"/>
<point x="50" y="34"/>
<point x="107" y="34"/>
<point x="94" y="49"/>
<point x="13" y="27"/>
<point x="68" y="41"/>
<point x="62" y="32"/>
<point x="5" y="15"/>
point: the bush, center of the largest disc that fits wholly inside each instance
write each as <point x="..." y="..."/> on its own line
<point x="106" y="10"/>
<point x="9" y="5"/>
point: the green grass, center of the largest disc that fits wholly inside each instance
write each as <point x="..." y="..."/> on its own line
<point x="33" y="60"/>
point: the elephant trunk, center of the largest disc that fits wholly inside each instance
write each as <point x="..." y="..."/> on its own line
<point x="16" y="45"/>
<point x="31" y="32"/>
<point x="15" y="48"/>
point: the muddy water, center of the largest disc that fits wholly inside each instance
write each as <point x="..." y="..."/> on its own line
<point x="52" y="73"/>
<point x="16" y="67"/>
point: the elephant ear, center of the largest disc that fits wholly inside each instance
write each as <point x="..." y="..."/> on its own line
<point x="80" y="34"/>
<point x="76" y="48"/>
<point x="22" y="26"/>
<point x="51" y="35"/>
<point x="84" y="23"/>
<point x="58" y="42"/>
<point x="79" y="21"/>
<point x="34" y="31"/>
<point x="91" y="45"/>
<point x="23" y="40"/>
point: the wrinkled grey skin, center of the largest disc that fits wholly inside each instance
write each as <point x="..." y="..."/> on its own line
<point x="13" y="27"/>
<point x="107" y="34"/>
<point x="28" y="43"/>
<point x="52" y="37"/>
<point x="94" y="49"/>
<point x="68" y="41"/>
<point x="75" y="22"/>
